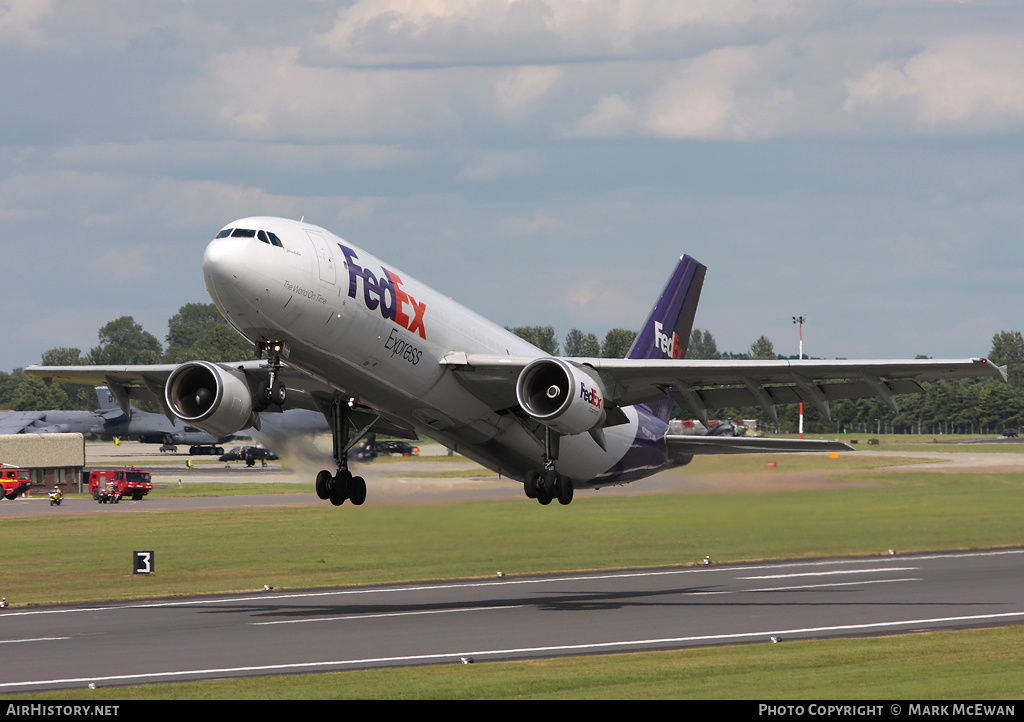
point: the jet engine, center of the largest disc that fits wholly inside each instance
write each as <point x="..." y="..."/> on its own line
<point x="563" y="395"/>
<point x="209" y="397"/>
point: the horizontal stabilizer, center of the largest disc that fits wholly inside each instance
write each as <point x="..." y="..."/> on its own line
<point x="686" y="445"/>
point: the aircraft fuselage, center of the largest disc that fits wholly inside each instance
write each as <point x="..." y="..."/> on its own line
<point x="376" y="333"/>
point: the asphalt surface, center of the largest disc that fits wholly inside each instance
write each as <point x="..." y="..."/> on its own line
<point x="505" y="618"/>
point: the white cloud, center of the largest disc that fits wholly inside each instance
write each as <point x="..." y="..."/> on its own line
<point x="403" y="32"/>
<point x="611" y="116"/>
<point x="728" y="93"/>
<point x="603" y="298"/>
<point x="523" y="89"/>
<point x="956" y="83"/>
<point x="19" y="21"/>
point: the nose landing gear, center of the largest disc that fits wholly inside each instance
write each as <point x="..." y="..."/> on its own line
<point x="271" y="392"/>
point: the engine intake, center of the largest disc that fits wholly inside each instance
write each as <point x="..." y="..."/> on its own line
<point x="563" y="395"/>
<point x="209" y="397"/>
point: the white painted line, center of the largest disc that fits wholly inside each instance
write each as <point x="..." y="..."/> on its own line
<point x="828" y="574"/>
<point x="811" y="586"/>
<point x="455" y="655"/>
<point x="36" y="639"/>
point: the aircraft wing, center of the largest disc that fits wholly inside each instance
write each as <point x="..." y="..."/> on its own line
<point x="147" y="381"/>
<point x="16" y="422"/>
<point x="702" y="385"/>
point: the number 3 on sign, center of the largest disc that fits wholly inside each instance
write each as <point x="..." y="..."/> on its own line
<point x="143" y="562"/>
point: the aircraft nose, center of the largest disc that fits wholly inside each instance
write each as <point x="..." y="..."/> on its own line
<point x="223" y="261"/>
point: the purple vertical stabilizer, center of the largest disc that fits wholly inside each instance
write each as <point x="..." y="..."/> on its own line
<point x="666" y="332"/>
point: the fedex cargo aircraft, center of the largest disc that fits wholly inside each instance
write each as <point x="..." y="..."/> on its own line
<point x="338" y="330"/>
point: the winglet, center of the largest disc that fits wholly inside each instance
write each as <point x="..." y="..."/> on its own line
<point x="1000" y="369"/>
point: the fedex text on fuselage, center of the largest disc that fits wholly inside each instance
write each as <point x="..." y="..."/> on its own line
<point x="385" y="293"/>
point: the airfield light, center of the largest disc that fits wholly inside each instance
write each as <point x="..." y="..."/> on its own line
<point x="799" y="321"/>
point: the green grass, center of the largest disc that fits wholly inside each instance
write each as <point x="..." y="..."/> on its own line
<point x="227" y="488"/>
<point x="213" y="551"/>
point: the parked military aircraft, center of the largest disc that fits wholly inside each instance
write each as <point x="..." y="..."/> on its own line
<point x="150" y="428"/>
<point x="109" y="420"/>
<point x="50" y="422"/>
<point x="372" y="348"/>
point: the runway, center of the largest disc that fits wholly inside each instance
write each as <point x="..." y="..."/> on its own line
<point x="506" y="618"/>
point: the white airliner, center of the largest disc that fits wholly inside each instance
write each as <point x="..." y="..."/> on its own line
<point x="340" y="331"/>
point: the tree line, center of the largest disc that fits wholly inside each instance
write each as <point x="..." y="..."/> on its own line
<point x="198" y="332"/>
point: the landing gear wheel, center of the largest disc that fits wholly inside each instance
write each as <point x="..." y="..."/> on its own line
<point x="530" y="484"/>
<point x="340" y="487"/>
<point x="357" y="490"/>
<point x="270" y="394"/>
<point x="323" y="484"/>
<point x="564" y="490"/>
<point x="552" y="480"/>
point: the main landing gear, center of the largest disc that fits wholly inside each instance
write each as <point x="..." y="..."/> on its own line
<point x="549" y="484"/>
<point x="341" y="485"/>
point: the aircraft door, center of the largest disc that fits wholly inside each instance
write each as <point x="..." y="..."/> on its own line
<point x="324" y="257"/>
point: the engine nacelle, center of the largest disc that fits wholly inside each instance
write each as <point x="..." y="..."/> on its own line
<point x="210" y="398"/>
<point x="565" y="396"/>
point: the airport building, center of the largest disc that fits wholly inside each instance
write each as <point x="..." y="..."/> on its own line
<point x="53" y="459"/>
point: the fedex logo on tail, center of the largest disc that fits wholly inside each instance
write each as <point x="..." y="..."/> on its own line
<point x="385" y="293"/>
<point x="590" y="395"/>
<point x="669" y="345"/>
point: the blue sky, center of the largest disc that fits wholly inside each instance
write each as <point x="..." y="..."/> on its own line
<point x="541" y="162"/>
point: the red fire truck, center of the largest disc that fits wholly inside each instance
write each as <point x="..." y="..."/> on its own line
<point x="129" y="482"/>
<point x="14" y="481"/>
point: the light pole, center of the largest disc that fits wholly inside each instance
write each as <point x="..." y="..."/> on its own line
<point x="799" y="321"/>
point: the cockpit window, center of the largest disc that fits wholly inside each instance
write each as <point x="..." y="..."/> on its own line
<point x="267" y="237"/>
<point x="270" y="238"/>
